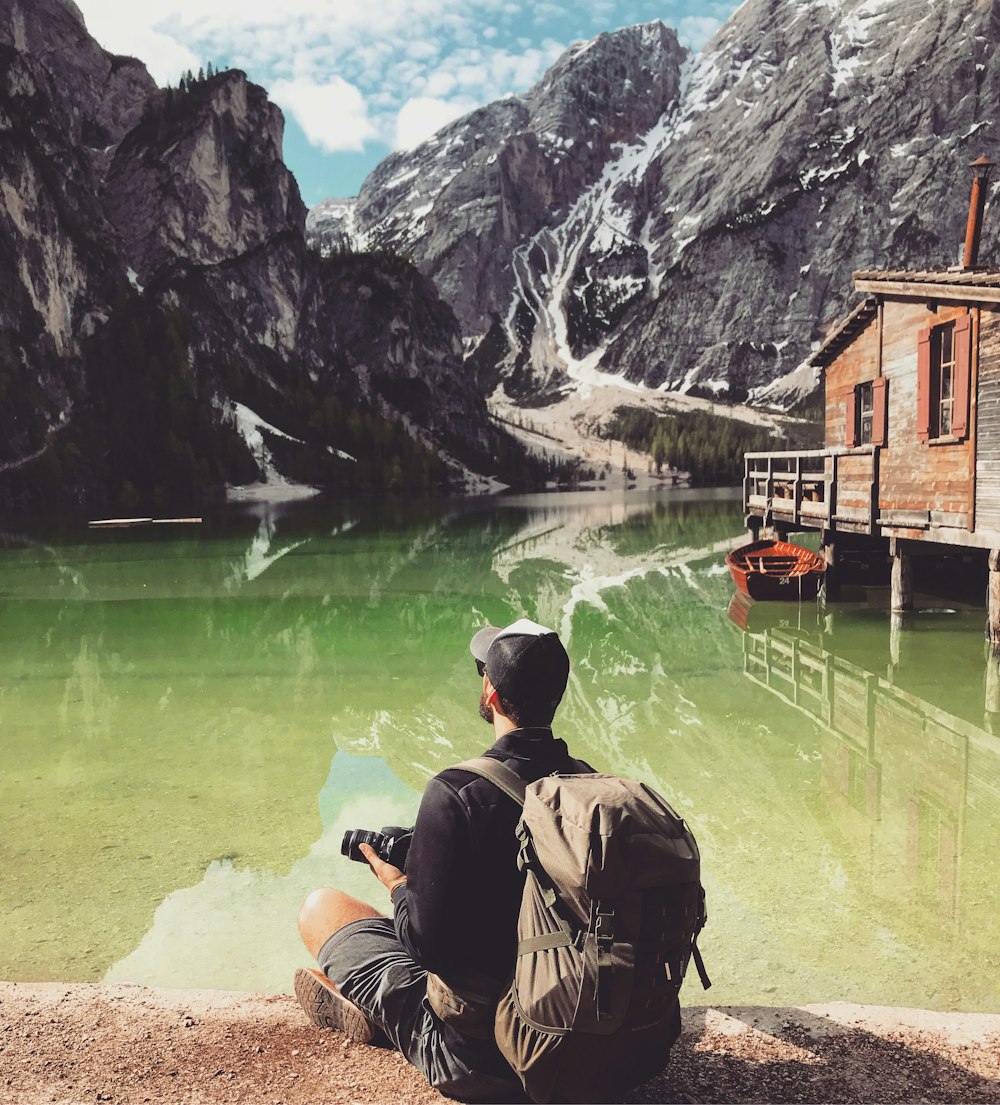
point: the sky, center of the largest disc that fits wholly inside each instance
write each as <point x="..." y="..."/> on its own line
<point x="357" y="79"/>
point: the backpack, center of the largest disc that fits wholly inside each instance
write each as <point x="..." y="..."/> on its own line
<point x="610" y="913"/>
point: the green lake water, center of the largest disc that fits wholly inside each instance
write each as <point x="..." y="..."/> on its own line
<point x="190" y="718"/>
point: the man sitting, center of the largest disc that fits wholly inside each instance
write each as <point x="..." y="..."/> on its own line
<point x="451" y="943"/>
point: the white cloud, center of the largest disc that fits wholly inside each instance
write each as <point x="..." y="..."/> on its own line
<point x="126" y="29"/>
<point x="422" y="50"/>
<point x="695" y="30"/>
<point x="483" y="74"/>
<point x="433" y="49"/>
<point x="421" y="116"/>
<point x="440" y="83"/>
<point x="333" y="115"/>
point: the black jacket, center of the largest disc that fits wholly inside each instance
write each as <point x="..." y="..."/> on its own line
<point x="457" y="913"/>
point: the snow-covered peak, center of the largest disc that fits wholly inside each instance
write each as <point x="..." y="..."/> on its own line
<point x="691" y="221"/>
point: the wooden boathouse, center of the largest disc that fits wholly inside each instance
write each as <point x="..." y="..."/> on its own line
<point x="911" y="462"/>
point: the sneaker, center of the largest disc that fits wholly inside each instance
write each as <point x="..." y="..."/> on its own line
<point x="326" y="1007"/>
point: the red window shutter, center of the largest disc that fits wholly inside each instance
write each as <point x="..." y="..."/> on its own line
<point x="924" y="384"/>
<point x="963" y="375"/>
<point x="880" y="395"/>
<point x="851" y="434"/>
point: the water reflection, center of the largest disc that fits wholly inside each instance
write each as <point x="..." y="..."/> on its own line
<point x="234" y="929"/>
<point x="911" y="787"/>
<point x="171" y="705"/>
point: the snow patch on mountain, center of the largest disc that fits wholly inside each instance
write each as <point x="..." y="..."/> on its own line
<point x="272" y="485"/>
<point x="787" y="390"/>
<point x="333" y="226"/>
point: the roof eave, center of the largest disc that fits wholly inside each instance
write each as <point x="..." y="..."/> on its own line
<point x="927" y="289"/>
<point x="847" y="330"/>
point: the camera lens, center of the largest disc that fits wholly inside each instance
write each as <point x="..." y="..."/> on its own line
<point x="354" y="837"/>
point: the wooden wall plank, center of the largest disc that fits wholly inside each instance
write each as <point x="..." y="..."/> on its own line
<point x="914" y="475"/>
<point x="988" y="424"/>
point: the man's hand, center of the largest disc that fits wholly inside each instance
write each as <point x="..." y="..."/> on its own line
<point x="390" y="877"/>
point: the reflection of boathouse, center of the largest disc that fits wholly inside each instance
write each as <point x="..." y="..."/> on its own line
<point x="912" y="788"/>
<point x="911" y="461"/>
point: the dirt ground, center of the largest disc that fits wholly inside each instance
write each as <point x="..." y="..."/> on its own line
<point x="76" y="1043"/>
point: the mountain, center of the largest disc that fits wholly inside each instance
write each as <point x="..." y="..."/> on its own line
<point x="691" y="222"/>
<point x="164" y="329"/>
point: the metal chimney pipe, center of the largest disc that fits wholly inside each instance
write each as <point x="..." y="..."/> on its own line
<point x="977" y="205"/>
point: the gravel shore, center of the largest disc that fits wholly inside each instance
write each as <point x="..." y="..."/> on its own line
<point x="81" y="1043"/>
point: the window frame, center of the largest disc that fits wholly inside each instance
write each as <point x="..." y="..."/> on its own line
<point x="863" y="433"/>
<point x="867" y="414"/>
<point x="942" y="371"/>
<point x="946" y="354"/>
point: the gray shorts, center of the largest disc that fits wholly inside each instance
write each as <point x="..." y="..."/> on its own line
<point x="369" y="966"/>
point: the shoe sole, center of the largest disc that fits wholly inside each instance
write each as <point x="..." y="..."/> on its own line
<point x="327" y="1008"/>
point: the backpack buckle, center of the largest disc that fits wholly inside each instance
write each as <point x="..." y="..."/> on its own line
<point x="604" y="932"/>
<point x="604" y="927"/>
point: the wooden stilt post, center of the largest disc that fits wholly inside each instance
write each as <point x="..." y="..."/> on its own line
<point x="991" y="705"/>
<point x="901" y="603"/>
<point x="829" y="553"/>
<point x="753" y="527"/>
<point x="902" y="579"/>
<point x="897" y="625"/>
<point x="993" y="603"/>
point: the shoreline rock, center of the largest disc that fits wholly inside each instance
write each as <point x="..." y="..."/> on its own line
<point x="83" y="1042"/>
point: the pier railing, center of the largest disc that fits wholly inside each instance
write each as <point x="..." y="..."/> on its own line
<point x="815" y="489"/>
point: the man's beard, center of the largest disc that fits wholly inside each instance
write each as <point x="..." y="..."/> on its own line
<point x="485" y="710"/>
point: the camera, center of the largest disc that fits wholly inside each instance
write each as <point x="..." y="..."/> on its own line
<point x="391" y="844"/>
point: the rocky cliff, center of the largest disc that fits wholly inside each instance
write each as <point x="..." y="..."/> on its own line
<point x="464" y="201"/>
<point x="163" y="328"/>
<point x="691" y="222"/>
<point x="199" y="179"/>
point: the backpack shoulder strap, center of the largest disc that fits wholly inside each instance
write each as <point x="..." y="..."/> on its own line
<point x="499" y="774"/>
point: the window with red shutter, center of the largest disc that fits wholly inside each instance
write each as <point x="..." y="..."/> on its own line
<point x="851" y="429"/>
<point x="944" y="371"/>
<point x="962" y="376"/>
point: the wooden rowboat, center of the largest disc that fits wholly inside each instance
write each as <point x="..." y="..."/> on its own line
<point x="776" y="570"/>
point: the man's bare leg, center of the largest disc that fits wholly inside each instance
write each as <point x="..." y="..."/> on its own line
<point x="325" y="912"/>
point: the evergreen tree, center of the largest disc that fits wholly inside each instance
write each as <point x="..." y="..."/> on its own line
<point x="209" y="72"/>
<point x="201" y="75"/>
<point x="659" y="450"/>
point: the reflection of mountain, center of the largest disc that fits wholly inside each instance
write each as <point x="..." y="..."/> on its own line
<point x="233" y="928"/>
<point x="152" y="719"/>
<point x="914" y="792"/>
<point x="564" y="560"/>
<point x="174" y="696"/>
<point x="261" y="554"/>
<point x="388" y="613"/>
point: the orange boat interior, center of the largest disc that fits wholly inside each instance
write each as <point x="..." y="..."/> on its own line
<point x="780" y="559"/>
